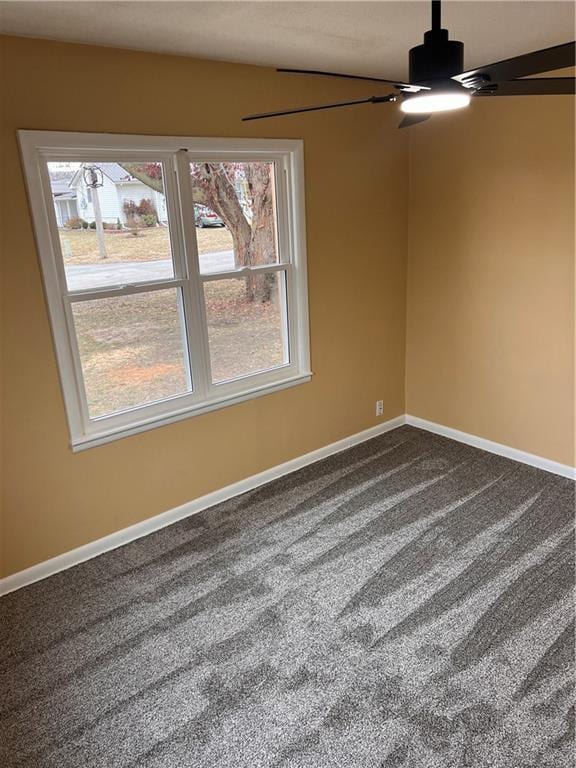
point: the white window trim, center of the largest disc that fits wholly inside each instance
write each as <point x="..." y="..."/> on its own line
<point x="38" y="147"/>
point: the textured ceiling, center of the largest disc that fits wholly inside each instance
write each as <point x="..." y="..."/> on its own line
<point x="369" y="38"/>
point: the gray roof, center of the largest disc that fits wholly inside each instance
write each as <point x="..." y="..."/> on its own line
<point x="60" y="181"/>
<point x="115" y="172"/>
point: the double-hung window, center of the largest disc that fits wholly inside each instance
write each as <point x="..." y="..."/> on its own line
<point x="174" y="271"/>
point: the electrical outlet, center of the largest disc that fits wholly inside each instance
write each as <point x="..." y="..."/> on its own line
<point x="379" y="407"/>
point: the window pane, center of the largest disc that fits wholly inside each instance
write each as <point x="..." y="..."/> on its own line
<point x="247" y="325"/>
<point x="236" y="218"/>
<point x="132" y="350"/>
<point x="112" y="222"/>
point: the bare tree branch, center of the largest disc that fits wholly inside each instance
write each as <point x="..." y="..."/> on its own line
<point x="213" y="185"/>
<point x="138" y="171"/>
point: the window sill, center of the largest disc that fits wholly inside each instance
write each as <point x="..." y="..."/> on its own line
<point x="108" y="435"/>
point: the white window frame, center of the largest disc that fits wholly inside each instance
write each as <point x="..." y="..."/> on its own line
<point x="40" y="147"/>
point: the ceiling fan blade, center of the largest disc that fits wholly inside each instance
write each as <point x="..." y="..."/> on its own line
<point x="395" y="83"/>
<point x="409" y="120"/>
<point x="536" y="86"/>
<point x="370" y="100"/>
<point x="546" y="60"/>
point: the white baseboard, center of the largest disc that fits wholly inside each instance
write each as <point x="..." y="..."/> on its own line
<point x="488" y="445"/>
<point x="126" y="535"/>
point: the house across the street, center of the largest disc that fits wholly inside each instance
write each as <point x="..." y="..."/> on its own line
<point x="73" y="198"/>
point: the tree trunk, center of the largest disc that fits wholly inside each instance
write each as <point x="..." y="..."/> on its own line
<point x="211" y="181"/>
<point x="254" y="242"/>
<point x="263" y="232"/>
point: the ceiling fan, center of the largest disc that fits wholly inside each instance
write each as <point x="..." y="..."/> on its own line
<point x="438" y="82"/>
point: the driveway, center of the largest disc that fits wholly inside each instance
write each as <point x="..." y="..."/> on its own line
<point x="85" y="276"/>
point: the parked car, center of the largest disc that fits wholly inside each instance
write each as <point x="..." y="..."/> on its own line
<point x="204" y="217"/>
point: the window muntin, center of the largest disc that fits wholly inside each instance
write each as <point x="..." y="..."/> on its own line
<point x="112" y="383"/>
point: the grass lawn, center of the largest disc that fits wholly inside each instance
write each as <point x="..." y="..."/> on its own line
<point x="132" y="349"/>
<point x="244" y="337"/>
<point x="80" y="246"/>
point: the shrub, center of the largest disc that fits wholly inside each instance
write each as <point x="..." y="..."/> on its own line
<point x="107" y="225"/>
<point x="84" y="224"/>
<point x="130" y="209"/>
<point x="134" y="224"/>
<point x="143" y="214"/>
<point x="147" y="208"/>
<point x="75" y="222"/>
<point x="118" y="224"/>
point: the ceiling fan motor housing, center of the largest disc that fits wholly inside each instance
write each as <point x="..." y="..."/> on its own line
<point x="437" y="58"/>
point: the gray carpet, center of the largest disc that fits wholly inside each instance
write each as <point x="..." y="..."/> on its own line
<point x="405" y="603"/>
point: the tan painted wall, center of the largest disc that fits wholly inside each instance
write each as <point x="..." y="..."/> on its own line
<point x="490" y="346"/>
<point x="355" y="162"/>
<point x="490" y="339"/>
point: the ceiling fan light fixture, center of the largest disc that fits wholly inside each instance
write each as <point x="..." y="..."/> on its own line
<point x="437" y="81"/>
<point x="439" y="101"/>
